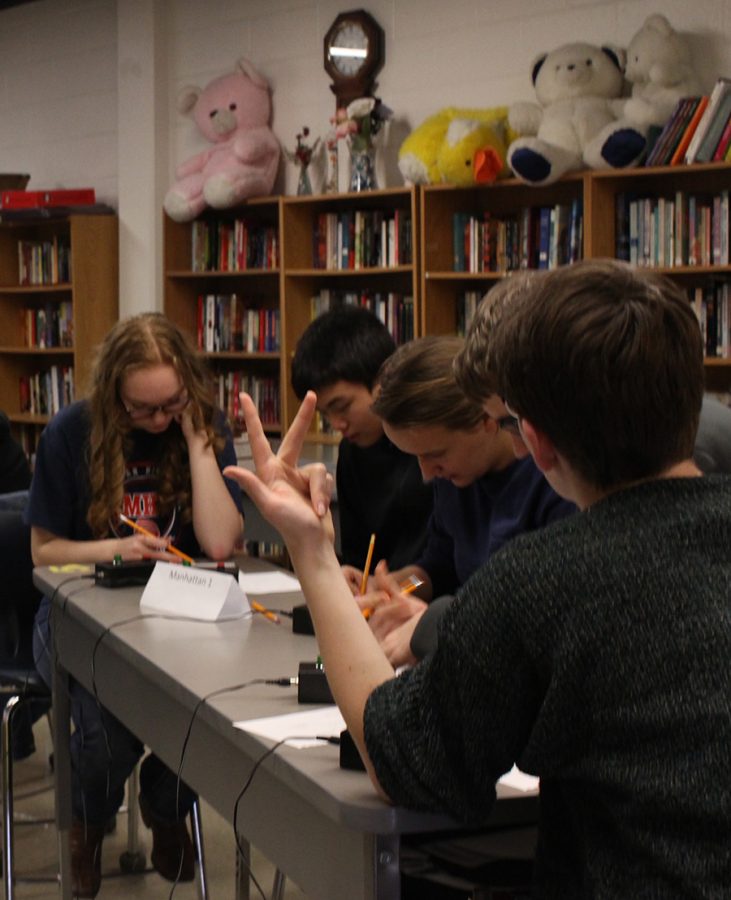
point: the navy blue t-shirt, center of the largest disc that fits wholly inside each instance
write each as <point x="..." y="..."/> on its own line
<point x="60" y="495"/>
<point x="469" y="524"/>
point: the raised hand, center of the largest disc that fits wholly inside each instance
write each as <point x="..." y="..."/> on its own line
<point x="295" y="500"/>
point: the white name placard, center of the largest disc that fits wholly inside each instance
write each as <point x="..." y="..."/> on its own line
<point x="190" y="593"/>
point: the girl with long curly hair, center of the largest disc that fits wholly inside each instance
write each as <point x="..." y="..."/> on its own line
<point x="149" y="445"/>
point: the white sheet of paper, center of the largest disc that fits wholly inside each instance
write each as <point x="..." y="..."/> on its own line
<point x="268" y="582"/>
<point x="519" y="780"/>
<point x="303" y="727"/>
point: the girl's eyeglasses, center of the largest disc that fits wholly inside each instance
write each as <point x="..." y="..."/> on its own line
<point x="171" y="408"/>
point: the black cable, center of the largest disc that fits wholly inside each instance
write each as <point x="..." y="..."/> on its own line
<point x="247" y="785"/>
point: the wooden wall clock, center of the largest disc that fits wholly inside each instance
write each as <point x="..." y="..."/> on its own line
<point x="354" y="54"/>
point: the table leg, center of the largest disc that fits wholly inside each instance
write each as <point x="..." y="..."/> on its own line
<point x="243" y="868"/>
<point x="387" y="874"/>
<point x="62" y="772"/>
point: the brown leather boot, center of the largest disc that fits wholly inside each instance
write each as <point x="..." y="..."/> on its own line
<point x="86" y="858"/>
<point x="172" y="849"/>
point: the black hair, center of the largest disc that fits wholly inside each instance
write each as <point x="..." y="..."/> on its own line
<point x="347" y="343"/>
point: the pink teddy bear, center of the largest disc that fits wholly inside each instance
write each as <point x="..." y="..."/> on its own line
<point x="233" y="113"/>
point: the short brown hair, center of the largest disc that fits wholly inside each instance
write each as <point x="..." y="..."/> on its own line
<point x="607" y="360"/>
<point x="417" y="387"/>
<point x="472" y="372"/>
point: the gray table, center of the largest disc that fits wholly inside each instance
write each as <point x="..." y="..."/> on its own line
<point x="322" y="826"/>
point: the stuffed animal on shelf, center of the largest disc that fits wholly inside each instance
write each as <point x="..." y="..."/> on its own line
<point x="233" y="113"/>
<point x="660" y="68"/>
<point x="574" y="123"/>
<point x="457" y="145"/>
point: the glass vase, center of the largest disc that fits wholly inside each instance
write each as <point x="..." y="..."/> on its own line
<point x="363" y="169"/>
<point x="304" y="185"/>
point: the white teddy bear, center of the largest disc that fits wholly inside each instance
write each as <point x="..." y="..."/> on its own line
<point x="575" y="123"/>
<point x="660" y="68"/>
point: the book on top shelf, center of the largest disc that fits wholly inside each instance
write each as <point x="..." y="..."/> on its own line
<point x="715" y="129"/>
<point x="686" y="137"/>
<point x="673" y="131"/>
<point x="720" y="89"/>
<point x="723" y="144"/>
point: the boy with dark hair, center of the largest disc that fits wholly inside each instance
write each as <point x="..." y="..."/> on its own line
<point x="593" y="652"/>
<point x="380" y="490"/>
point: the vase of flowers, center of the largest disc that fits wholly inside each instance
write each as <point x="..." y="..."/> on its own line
<point x="302" y="157"/>
<point x="359" y="124"/>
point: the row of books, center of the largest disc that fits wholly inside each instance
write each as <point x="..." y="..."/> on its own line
<point x="396" y="311"/>
<point x="233" y="246"/>
<point x="51" y="325"/>
<point x="698" y="131"/>
<point x="28" y="436"/>
<point x="44" y="393"/>
<point x="536" y="237"/>
<point x="467" y="303"/>
<point x="44" y="262"/>
<point x="711" y="306"/>
<point x="362" y="239"/>
<point x="264" y="391"/>
<point x="226" y="324"/>
<point x="682" y="230"/>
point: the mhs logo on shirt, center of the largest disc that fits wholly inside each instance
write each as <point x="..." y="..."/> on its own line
<point x="141" y="505"/>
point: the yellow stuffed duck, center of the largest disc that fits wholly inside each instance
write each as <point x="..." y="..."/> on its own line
<point x="458" y="146"/>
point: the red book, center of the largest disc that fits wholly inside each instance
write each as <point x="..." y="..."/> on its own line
<point x="723" y="143"/>
<point x="38" y="199"/>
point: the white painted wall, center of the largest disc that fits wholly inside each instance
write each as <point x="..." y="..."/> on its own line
<point x="88" y="87"/>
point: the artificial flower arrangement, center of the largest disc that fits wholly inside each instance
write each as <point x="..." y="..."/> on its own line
<point x="358" y="124"/>
<point x="302" y="157"/>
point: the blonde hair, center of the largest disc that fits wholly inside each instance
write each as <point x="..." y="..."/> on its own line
<point x="139" y="342"/>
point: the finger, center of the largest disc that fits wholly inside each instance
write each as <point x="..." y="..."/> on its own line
<point x="321" y="487"/>
<point x="291" y="446"/>
<point x="249" y="481"/>
<point x="261" y="452"/>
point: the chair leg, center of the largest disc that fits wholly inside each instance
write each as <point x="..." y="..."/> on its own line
<point x="280" y="879"/>
<point x="197" y="829"/>
<point x="133" y="859"/>
<point x="6" y="758"/>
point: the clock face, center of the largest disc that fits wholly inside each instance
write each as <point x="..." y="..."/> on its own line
<point x="348" y="50"/>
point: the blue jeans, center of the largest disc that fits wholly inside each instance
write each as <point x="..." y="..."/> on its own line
<point x="104" y="752"/>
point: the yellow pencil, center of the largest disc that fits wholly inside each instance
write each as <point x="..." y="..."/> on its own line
<point x="367" y="567"/>
<point x="156" y="537"/>
<point x="257" y="607"/>
<point x="406" y="587"/>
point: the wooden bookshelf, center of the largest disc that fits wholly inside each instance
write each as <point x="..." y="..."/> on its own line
<point x="442" y="286"/>
<point x="92" y="293"/>
<point x="303" y="278"/>
<point x="256" y="284"/>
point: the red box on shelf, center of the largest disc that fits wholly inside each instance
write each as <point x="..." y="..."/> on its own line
<point x="39" y="199"/>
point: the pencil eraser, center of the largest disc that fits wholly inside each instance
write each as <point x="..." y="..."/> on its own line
<point x="302" y="620"/>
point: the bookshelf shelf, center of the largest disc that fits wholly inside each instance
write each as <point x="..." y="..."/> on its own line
<point x="89" y="301"/>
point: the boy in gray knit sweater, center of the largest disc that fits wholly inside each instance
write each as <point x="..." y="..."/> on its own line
<point x="594" y="652"/>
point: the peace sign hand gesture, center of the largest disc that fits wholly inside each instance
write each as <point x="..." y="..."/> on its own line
<point x="295" y="500"/>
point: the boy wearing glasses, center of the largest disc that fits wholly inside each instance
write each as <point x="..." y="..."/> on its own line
<point x="148" y="444"/>
<point x="380" y="490"/>
<point x="594" y="652"/>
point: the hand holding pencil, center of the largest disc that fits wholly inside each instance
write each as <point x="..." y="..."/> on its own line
<point x="161" y="548"/>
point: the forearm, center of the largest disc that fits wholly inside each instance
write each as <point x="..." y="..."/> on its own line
<point x="216" y="520"/>
<point x="59" y="551"/>
<point x="353" y="660"/>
